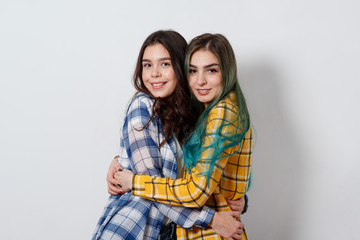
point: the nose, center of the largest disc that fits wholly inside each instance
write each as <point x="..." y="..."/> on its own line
<point x="201" y="79"/>
<point x="155" y="72"/>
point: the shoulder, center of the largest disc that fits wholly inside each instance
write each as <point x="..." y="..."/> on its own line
<point x="141" y="100"/>
<point x="227" y="109"/>
<point x="141" y="103"/>
<point x="139" y="109"/>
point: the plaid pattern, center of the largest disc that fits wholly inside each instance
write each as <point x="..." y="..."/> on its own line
<point x="229" y="178"/>
<point x="131" y="217"/>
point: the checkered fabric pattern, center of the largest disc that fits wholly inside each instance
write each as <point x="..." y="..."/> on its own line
<point x="131" y="217"/>
<point x="229" y="178"/>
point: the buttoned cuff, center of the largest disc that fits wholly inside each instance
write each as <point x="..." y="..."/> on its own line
<point x="205" y="217"/>
<point x="137" y="185"/>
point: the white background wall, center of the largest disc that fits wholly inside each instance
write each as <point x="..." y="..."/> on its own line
<point x="65" y="71"/>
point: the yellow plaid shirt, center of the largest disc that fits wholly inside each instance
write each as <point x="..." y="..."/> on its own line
<point x="228" y="180"/>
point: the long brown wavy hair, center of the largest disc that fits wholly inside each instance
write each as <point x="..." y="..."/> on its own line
<point x="175" y="111"/>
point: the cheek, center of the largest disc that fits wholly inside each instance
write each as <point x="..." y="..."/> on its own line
<point x="143" y="76"/>
<point x="172" y="75"/>
<point x="146" y="75"/>
<point x="191" y="81"/>
<point x="173" y="78"/>
<point x="219" y="83"/>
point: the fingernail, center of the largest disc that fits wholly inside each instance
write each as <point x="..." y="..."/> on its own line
<point x="120" y="169"/>
<point x="122" y="192"/>
<point x="119" y="185"/>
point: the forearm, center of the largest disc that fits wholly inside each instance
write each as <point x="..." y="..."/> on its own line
<point x="191" y="191"/>
<point x="187" y="217"/>
<point x="188" y="192"/>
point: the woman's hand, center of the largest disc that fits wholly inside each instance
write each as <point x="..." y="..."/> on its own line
<point x="224" y="224"/>
<point x="236" y="206"/>
<point x="124" y="177"/>
<point x="113" y="184"/>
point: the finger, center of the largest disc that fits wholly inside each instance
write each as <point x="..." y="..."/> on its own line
<point x="115" y="161"/>
<point x="112" y="193"/>
<point x="239" y="202"/>
<point x="236" y="214"/>
<point x="116" y="166"/>
<point x="115" y="189"/>
<point x="114" y="185"/>
<point x="110" y="174"/>
<point x="242" y="225"/>
<point x="112" y="181"/>
<point x="234" y="207"/>
<point x="112" y="171"/>
<point x="239" y="235"/>
<point x="115" y="193"/>
<point x="121" y="191"/>
<point x="232" y="202"/>
<point x="236" y="236"/>
<point x="232" y="238"/>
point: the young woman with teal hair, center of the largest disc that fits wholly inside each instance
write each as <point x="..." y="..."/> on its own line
<point x="217" y="155"/>
<point x="158" y="119"/>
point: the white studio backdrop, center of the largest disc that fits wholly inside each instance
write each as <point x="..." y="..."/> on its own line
<point x="65" y="79"/>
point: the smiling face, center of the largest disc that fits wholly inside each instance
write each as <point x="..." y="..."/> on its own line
<point x="157" y="72"/>
<point x="205" y="78"/>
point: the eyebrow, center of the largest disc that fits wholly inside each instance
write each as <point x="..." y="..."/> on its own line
<point x="207" y="66"/>
<point x="161" y="59"/>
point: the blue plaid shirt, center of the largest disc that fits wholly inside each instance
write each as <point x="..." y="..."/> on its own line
<point x="131" y="217"/>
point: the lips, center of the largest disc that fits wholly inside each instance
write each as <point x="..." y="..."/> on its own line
<point x="203" y="91"/>
<point x="157" y="85"/>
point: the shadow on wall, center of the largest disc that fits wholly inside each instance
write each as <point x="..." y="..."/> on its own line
<point x="277" y="169"/>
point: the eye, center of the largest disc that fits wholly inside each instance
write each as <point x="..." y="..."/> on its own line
<point x="212" y="70"/>
<point x="192" y="71"/>
<point x="146" y="65"/>
<point x="165" y="64"/>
